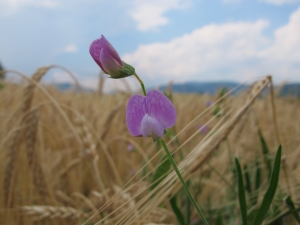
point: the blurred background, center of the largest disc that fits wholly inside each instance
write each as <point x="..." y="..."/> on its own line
<point x="165" y="40"/>
<point x="65" y="155"/>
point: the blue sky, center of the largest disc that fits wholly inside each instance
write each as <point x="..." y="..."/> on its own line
<point x="165" y="40"/>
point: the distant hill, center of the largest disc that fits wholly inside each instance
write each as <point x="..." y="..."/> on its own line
<point x="63" y="86"/>
<point x="69" y="86"/>
<point x="204" y="87"/>
<point x="292" y="89"/>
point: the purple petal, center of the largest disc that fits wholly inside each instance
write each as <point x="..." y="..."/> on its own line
<point x="95" y="50"/>
<point x="111" y="50"/>
<point x="161" y="108"/>
<point x="150" y="115"/>
<point x="109" y="64"/>
<point x="105" y="55"/>
<point x="208" y="103"/>
<point x="130" y="147"/>
<point x="135" y="111"/>
<point x="203" y="129"/>
<point x="151" y="127"/>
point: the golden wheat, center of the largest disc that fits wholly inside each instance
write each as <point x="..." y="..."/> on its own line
<point x="66" y="154"/>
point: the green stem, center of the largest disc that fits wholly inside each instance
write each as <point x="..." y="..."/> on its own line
<point x="182" y="181"/>
<point x="141" y="83"/>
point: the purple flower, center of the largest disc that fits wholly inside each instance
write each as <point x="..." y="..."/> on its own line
<point x="109" y="60"/>
<point x="130" y="147"/>
<point x="131" y="171"/>
<point x="208" y="103"/>
<point x="150" y="115"/>
<point x="203" y="129"/>
<point x="195" y="220"/>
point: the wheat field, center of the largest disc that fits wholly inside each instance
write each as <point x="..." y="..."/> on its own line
<point x="68" y="158"/>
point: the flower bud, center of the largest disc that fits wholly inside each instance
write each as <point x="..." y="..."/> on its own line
<point x="109" y="60"/>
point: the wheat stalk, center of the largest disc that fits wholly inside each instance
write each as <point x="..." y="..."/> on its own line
<point x="101" y="83"/>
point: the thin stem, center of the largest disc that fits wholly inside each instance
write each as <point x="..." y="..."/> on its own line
<point x="182" y="181"/>
<point x="188" y="206"/>
<point x="274" y="110"/>
<point x="141" y="82"/>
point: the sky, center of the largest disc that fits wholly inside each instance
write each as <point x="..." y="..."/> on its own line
<point x="165" y="40"/>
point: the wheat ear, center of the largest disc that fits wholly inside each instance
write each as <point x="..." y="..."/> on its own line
<point x="41" y="212"/>
<point x="12" y="154"/>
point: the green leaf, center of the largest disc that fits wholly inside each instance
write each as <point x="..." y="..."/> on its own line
<point x="176" y="210"/>
<point x="188" y="211"/>
<point x="251" y="215"/>
<point x="160" y="172"/>
<point x="222" y="92"/>
<point x="247" y="179"/>
<point x="257" y="183"/>
<point x="257" y="175"/>
<point x="126" y="71"/>
<point x="217" y="110"/>
<point x="241" y="192"/>
<point x="292" y="208"/>
<point x="270" y="193"/>
<point x="219" y="220"/>
<point x="265" y="151"/>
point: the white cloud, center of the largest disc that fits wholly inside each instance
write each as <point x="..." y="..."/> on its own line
<point x="281" y="2"/>
<point x="201" y="52"/>
<point x="286" y="47"/>
<point x="149" y="14"/>
<point x="12" y="6"/>
<point x="230" y="51"/>
<point x="71" y="48"/>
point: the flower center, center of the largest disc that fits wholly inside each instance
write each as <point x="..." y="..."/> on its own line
<point x="151" y="127"/>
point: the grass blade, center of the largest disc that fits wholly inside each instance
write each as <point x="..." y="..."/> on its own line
<point x="219" y="220"/>
<point x="160" y="172"/>
<point x="257" y="175"/>
<point x="241" y="192"/>
<point x="247" y="179"/>
<point x="176" y="210"/>
<point x="291" y="206"/>
<point x="270" y="193"/>
<point x="265" y="150"/>
<point x="257" y="183"/>
<point x="188" y="211"/>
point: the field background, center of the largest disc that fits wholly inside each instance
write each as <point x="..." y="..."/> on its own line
<point x="65" y="155"/>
